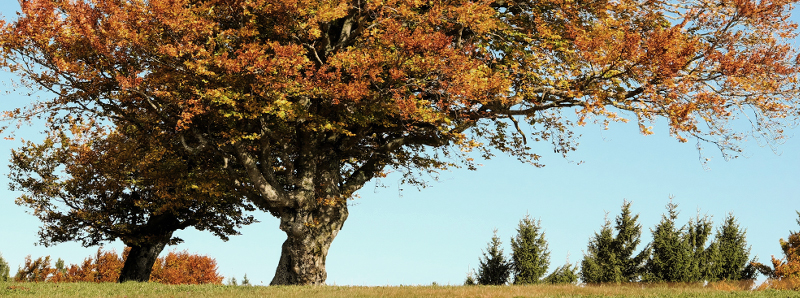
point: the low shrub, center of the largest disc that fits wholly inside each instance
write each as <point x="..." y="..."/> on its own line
<point x="35" y="270"/>
<point x="785" y="274"/>
<point x="4" y="269"/>
<point x="105" y="266"/>
<point x="185" y="268"/>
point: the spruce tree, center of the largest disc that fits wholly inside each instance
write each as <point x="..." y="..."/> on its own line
<point x="599" y="262"/>
<point x="494" y="268"/>
<point x="530" y="256"/>
<point x="731" y="253"/>
<point x="611" y="258"/>
<point x="702" y="259"/>
<point x="470" y="281"/>
<point x="680" y="254"/>
<point x="670" y="258"/>
<point x="629" y="233"/>
<point x="4" y="269"/>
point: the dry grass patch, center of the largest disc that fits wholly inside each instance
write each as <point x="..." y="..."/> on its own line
<point x="130" y="290"/>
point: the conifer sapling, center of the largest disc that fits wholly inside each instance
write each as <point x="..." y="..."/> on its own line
<point x="732" y="252"/>
<point x="494" y="268"/>
<point x="611" y="258"/>
<point x="530" y="256"/>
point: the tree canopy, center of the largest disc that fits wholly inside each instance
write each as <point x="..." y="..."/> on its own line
<point x="302" y="102"/>
<point x="96" y="187"/>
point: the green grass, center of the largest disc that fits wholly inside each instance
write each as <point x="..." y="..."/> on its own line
<point x="13" y="289"/>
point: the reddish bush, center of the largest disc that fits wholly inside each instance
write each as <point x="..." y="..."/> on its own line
<point x="105" y="266"/>
<point x="786" y="275"/>
<point x="789" y="266"/>
<point x="786" y="272"/>
<point x="35" y="270"/>
<point x="185" y="268"/>
<point x="790" y="283"/>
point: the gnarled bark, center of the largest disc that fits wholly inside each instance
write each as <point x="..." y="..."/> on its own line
<point x="139" y="263"/>
<point x="309" y="236"/>
<point x="143" y="254"/>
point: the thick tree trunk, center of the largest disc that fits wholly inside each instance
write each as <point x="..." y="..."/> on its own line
<point x="139" y="263"/>
<point x="309" y="236"/>
<point x="150" y="241"/>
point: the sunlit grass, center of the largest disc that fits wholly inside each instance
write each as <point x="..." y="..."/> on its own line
<point x="13" y="289"/>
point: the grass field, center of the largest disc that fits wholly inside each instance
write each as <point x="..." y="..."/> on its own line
<point x="12" y="289"/>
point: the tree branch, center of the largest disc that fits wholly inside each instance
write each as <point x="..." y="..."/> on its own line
<point x="273" y="197"/>
<point x="379" y="159"/>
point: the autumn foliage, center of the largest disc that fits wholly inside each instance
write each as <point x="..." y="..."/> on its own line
<point x="789" y="266"/>
<point x="35" y="270"/>
<point x="184" y="268"/>
<point x="785" y="273"/>
<point x="105" y="266"/>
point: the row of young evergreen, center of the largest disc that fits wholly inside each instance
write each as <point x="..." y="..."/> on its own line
<point x="676" y="254"/>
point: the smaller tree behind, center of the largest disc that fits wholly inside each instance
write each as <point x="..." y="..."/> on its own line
<point x="529" y="254"/>
<point x="123" y="184"/>
<point x="494" y="268"/>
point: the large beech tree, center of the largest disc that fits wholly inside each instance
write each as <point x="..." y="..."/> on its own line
<point x="95" y="187"/>
<point x="303" y="102"/>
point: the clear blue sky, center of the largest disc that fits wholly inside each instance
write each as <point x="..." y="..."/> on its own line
<point x="409" y="237"/>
